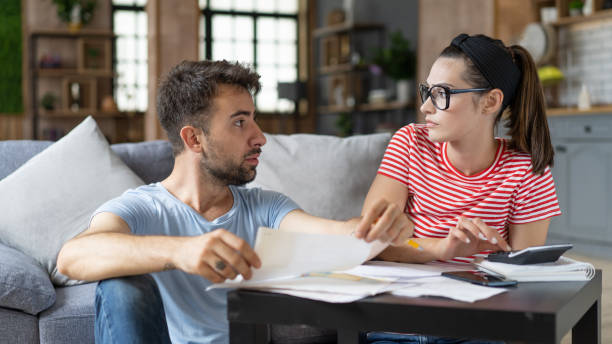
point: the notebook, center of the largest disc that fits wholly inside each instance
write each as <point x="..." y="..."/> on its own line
<point x="564" y="269"/>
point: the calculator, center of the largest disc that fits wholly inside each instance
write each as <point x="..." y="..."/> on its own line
<point x="530" y="255"/>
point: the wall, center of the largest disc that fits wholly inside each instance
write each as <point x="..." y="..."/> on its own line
<point x="471" y="17"/>
<point x="11" y="124"/>
<point x="172" y="37"/>
<point x="503" y="19"/>
<point x="585" y="57"/>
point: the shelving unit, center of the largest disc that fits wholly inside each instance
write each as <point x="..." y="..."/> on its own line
<point x="599" y="14"/>
<point x="78" y="75"/>
<point x="367" y="107"/>
<point x="572" y="111"/>
<point x="340" y="62"/>
<point x="343" y="76"/>
<point x="562" y="28"/>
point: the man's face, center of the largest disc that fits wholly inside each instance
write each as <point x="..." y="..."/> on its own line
<point x="233" y="144"/>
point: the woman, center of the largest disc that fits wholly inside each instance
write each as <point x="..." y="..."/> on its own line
<point x="464" y="190"/>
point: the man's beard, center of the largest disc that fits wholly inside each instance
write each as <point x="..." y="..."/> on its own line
<point x="226" y="172"/>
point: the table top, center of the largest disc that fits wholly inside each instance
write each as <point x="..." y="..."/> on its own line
<point x="536" y="310"/>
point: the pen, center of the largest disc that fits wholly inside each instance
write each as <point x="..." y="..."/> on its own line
<point x="414" y="244"/>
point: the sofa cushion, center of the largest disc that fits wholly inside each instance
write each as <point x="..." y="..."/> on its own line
<point x="49" y="199"/>
<point x="152" y="161"/>
<point x="24" y="284"/>
<point x="71" y="319"/>
<point x="327" y="176"/>
<point x="16" y="152"/>
<point x="18" y="327"/>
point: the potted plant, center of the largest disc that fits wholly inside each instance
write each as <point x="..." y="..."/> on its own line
<point x="575" y="8"/>
<point x="398" y="61"/>
<point x="48" y="101"/>
<point x="344" y="123"/>
<point x="75" y="12"/>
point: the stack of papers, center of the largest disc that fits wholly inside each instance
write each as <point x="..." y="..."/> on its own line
<point x="564" y="269"/>
<point x="331" y="268"/>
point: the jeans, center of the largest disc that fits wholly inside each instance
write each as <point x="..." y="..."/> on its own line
<point x="399" y="338"/>
<point x="130" y="310"/>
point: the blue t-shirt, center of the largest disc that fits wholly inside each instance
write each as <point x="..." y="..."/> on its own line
<point x="195" y="315"/>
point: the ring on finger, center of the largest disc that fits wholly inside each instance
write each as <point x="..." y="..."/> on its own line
<point x="220" y="265"/>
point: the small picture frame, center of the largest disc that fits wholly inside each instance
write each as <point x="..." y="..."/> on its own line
<point x="331" y="51"/>
<point x="79" y="94"/>
<point x="94" y="55"/>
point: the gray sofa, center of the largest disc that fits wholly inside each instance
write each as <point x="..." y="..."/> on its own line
<point x="327" y="176"/>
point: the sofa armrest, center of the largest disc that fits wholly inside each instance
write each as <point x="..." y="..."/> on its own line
<point x="24" y="284"/>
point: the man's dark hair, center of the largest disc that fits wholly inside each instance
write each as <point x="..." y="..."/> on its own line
<point x="185" y="95"/>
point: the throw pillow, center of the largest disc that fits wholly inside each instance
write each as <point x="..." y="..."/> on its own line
<point x="327" y="176"/>
<point x="49" y="199"/>
<point x="24" y="285"/>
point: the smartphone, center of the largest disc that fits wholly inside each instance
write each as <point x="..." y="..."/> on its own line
<point x="480" y="278"/>
<point x="530" y="255"/>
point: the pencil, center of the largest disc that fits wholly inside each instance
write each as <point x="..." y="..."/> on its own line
<point x="414" y="244"/>
<point x="409" y="242"/>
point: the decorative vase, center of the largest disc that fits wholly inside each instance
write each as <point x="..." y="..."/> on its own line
<point x="587" y="8"/>
<point x="75" y="18"/>
<point x="575" y="12"/>
<point x="404" y="90"/>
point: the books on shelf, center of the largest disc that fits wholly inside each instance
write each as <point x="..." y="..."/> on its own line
<point x="564" y="269"/>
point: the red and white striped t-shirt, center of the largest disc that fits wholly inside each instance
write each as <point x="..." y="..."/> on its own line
<point x="508" y="192"/>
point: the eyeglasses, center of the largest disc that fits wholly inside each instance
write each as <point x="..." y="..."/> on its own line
<point x="440" y="95"/>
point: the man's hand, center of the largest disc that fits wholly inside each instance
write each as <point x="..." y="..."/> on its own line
<point x="386" y="222"/>
<point x="217" y="256"/>
<point x="470" y="236"/>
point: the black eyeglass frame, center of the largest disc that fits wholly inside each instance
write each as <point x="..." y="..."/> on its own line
<point x="448" y="93"/>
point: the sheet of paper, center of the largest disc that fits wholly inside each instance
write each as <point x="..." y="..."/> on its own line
<point x="329" y="287"/>
<point x="319" y="296"/>
<point x="444" y="287"/>
<point x="403" y="271"/>
<point x="326" y="283"/>
<point x="286" y="254"/>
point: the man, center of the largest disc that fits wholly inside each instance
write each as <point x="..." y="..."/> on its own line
<point x="197" y="226"/>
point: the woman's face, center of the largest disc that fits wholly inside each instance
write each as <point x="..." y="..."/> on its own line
<point x="464" y="115"/>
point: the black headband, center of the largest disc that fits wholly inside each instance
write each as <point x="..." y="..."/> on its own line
<point x="493" y="61"/>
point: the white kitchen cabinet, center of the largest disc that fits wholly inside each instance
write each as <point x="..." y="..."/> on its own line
<point x="583" y="177"/>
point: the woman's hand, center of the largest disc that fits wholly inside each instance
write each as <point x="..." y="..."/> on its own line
<point x="386" y="222"/>
<point x="470" y="236"/>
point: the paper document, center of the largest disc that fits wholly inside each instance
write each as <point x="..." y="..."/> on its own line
<point x="403" y="271"/>
<point x="564" y="269"/>
<point x="286" y="254"/>
<point x="329" y="268"/>
<point x="444" y="287"/>
<point x="329" y="287"/>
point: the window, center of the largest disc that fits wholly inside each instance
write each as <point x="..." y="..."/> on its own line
<point x="262" y="33"/>
<point x="130" y="60"/>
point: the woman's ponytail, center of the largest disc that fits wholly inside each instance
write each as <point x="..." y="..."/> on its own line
<point x="526" y="122"/>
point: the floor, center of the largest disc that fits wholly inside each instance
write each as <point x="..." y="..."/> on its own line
<point x="606" y="305"/>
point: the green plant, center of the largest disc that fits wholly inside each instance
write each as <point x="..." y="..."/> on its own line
<point x="398" y="61"/>
<point x="345" y="124"/>
<point x="64" y="9"/>
<point x="576" y="4"/>
<point x="48" y="101"/>
<point x="93" y="52"/>
<point x="11" y="100"/>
